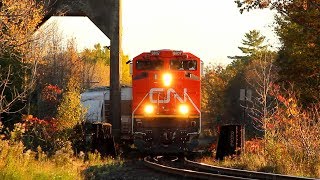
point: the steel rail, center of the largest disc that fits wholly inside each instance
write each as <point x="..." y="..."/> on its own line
<point x="241" y="173"/>
<point x="188" y="173"/>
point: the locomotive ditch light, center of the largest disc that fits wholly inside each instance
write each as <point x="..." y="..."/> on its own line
<point x="183" y="109"/>
<point x="148" y="109"/>
<point x="167" y="79"/>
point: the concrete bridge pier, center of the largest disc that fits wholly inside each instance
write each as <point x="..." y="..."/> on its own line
<point x="106" y="15"/>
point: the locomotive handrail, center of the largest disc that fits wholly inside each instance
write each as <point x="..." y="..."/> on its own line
<point x="132" y="116"/>
<point x="194" y="105"/>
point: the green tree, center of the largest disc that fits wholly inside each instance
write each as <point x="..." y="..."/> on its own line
<point x="125" y="70"/>
<point x="97" y="54"/>
<point x="252" y="43"/>
<point x="299" y="57"/>
<point x="298" y="28"/>
<point x="96" y="67"/>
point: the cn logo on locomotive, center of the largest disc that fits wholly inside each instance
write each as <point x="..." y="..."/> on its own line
<point x="154" y="94"/>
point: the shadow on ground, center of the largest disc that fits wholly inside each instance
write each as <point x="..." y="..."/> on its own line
<point x="134" y="169"/>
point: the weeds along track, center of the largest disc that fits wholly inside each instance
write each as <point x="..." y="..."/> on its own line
<point x="190" y="169"/>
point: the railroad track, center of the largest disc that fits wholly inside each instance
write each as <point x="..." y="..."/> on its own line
<point x="190" y="169"/>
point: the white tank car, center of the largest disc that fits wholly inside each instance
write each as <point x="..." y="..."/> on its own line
<point x="96" y="101"/>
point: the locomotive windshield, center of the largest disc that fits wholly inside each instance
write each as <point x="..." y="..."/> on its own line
<point x="183" y="64"/>
<point x="149" y="65"/>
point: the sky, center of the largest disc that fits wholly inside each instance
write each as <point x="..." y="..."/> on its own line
<point x="81" y="29"/>
<point x="210" y="29"/>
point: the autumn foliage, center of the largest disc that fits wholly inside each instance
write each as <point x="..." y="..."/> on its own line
<point x="50" y="93"/>
<point x="18" y="22"/>
<point x="295" y="132"/>
<point x="285" y="95"/>
<point x="254" y="146"/>
<point x="39" y="133"/>
<point x="291" y="144"/>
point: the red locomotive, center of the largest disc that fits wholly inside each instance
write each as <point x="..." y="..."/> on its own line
<point x="166" y="113"/>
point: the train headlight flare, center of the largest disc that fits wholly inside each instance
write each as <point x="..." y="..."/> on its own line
<point x="183" y="109"/>
<point x="149" y="109"/>
<point x="167" y="79"/>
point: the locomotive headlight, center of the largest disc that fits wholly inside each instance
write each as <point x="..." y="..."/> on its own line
<point x="148" y="109"/>
<point x="183" y="109"/>
<point x="167" y="79"/>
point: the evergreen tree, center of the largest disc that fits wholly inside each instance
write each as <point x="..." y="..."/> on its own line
<point x="252" y="43"/>
<point x="253" y="47"/>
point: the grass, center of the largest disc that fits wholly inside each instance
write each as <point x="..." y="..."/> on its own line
<point x="277" y="161"/>
<point x="103" y="171"/>
<point x="252" y="162"/>
<point x="16" y="163"/>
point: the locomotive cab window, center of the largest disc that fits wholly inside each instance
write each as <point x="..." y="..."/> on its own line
<point x="183" y="65"/>
<point x="149" y="65"/>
